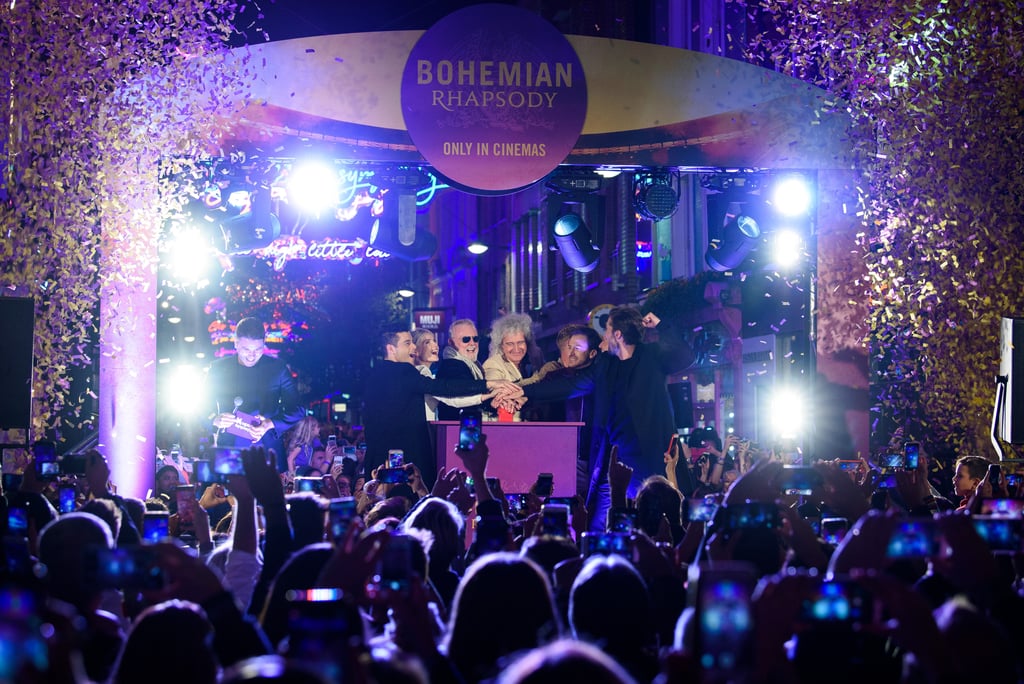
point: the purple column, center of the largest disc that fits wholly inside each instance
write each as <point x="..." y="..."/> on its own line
<point x="127" y="383"/>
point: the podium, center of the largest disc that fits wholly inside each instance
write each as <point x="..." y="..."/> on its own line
<point x="518" y="452"/>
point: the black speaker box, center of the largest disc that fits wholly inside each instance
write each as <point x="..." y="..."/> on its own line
<point x="17" y="318"/>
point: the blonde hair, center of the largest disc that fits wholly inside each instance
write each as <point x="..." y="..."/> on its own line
<point x="304" y="432"/>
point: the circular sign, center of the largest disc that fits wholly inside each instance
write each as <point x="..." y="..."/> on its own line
<point x="494" y="97"/>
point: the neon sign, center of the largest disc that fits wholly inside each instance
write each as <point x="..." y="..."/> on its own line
<point x="292" y="247"/>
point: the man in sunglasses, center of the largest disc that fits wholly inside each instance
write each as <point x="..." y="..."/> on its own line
<point x="459" y="360"/>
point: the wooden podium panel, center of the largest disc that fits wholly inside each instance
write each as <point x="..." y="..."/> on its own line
<point x="519" y="451"/>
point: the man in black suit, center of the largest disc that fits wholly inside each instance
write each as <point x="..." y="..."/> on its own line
<point x="459" y="360"/>
<point x="632" y="409"/>
<point x="393" y="404"/>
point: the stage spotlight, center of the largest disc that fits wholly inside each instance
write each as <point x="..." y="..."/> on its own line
<point x="477" y="248"/>
<point x="313" y="187"/>
<point x="740" y="234"/>
<point x="791" y="196"/>
<point x="787" y="410"/>
<point x="406" y="293"/>
<point x="180" y="387"/>
<point x="656" y="194"/>
<point x="787" y="248"/>
<point x="575" y="243"/>
<point x="188" y="255"/>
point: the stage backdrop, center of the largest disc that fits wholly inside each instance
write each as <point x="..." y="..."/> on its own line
<point x="352" y="96"/>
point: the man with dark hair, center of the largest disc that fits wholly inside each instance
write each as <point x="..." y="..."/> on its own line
<point x="393" y="404"/>
<point x="632" y="409"/>
<point x="255" y="385"/>
<point x="578" y="347"/>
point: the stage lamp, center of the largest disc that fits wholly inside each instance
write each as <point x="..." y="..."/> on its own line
<point x="179" y="390"/>
<point x="740" y="234"/>
<point x="188" y="255"/>
<point x="477" y="248"/>
<point x="406" y="293"/>
<point x="792" y="196"/>
<point x="787" y="413"/>
<point x="787" y="248"/>
<point x="656" y="195"/>
<point x="313" y="187"/>
<point x="575" y="243"/>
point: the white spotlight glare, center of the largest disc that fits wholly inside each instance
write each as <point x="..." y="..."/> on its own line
<point x="188" y="256"/>
<point x="787" y="248"/>
<point x="313" y="187"/>
<point x="179" y="391"/>
<point x="791" y="196"/>
<point x="787" y="413"/>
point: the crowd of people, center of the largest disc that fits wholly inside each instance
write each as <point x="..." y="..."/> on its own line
<point x="694" y="558"/>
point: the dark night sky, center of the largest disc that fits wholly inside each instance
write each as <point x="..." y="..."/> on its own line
<point x="285" y="19"/>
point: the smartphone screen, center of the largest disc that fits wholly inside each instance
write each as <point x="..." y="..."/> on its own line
<point x="914" y="538"/>
<point x="1002" y="535"/>
<point x="185" y="496"/>
<point x="554" y="520"/>
<point x="341" y="511"/>
<point x="469" y="430"/>
<point x="17" y="521"/>
<point x="202" y="471"/>
<point x="1003" y="508"/>
<point x="12" y="482"/>
<point x="545" y="482"/>
<point x="396" y="458"/>
<point x="605" y="543"/>
<point x="154" y="526"/>
<point x="128" y="567"/>
<point x="750" y="515"/>
<point x="834" y="529"/>
<point x="349" y="451"/>
<point x="892" y="461"/>
<point x="44" y="456"/>
<point x="21" y="641"/>
<point x="395" y="569"/>
<point x="308" y="484"/>
<point x="392" y="476"/>
<point x="227" y="461"/>
<point x="799" y="480"/>
<point x="725" y="622"/>
<point x="66" y="498"/>
<point x="516" y="503"/>
<point x="839" y="601"/>
<point x="702" y="510"/>
<point x="490" y="534"/>
<point x="911" y="455"/>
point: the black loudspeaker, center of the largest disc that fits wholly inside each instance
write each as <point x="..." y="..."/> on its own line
<point x="682" y="403"/>
<point x="17" y="319"/>
<point x="1011" y="367"/>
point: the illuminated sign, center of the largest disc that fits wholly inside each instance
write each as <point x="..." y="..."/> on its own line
<point x="292" y="247"/>
<point x="494" y="97"/>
